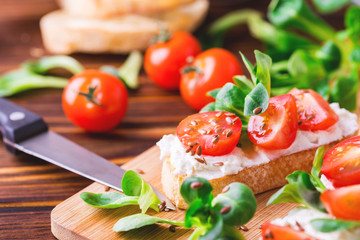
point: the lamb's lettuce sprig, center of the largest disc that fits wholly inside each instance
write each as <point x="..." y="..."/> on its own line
<point x="305" y="189"/>
<point x="212" y="217"/>
<point x="245" y="95"/>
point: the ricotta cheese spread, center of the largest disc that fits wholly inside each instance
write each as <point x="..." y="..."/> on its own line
<point x="303" y="216"/>
<point x="240" y="158"/>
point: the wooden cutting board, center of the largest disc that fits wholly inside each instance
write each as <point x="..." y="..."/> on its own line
<point x="73" y="219"/>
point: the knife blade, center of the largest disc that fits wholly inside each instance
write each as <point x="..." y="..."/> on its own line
<point x="25" y="131"/>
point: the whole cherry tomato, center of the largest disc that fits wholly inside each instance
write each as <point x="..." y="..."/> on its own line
<point x="343" y="203"/>
<point x="275" y="128"/>
<point x="210" y="69"/>
<point x="314" y="112"/>
<point x="164" y="60"/>
<point x="341" y="163"/>
<point x="95" y="101"/>
<point x="275" y="232"/>
<point x="210" y="133"/>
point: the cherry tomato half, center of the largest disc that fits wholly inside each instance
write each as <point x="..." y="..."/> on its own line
<point x="211" y="69"/>
<point x="95" y="101"/>
<point x="164" y="60"/>
<point x="275" y="128"/>
<point x="341" y="163"/>
<point x="314" y="112"/>
<point x="215" y="133"/>
<point x="271" y="231"/>
<point x="343" y="203"/>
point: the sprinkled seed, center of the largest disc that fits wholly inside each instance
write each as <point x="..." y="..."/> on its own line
<point x="196" y="185"/>
<point x="188" y="149"/>
<point x="216" y="139"/>
<point x="308" y="118"/>
<point x="244" y="228"/>
<point x="202" y="131"/>
<point x="299" y="226"/>
<point x="139" y="171"/>
<point x="193" y="144"/>
<point x="228" y="120"/>
<point x="107" y="188"/>
<point x="219" y="114"/>
<point x="225" y="189"/>
<point x="225" y="210"/>
<point x="260" y="227"/>
<point x="229" y="133"/>
<point x="162" y="206"/>
<point x="262" y="128"/>
<point x="199" y="151"/>
<point x="231" y="114"/>
<point x="269" y="235"/>
<point x="299" y="122"/>
<point x="218" y="130"/>
<point x="213" y="122"/>
<point x="188" y="129"/>
<point x="166" y="210"/>
<point x="192" y="153"/>
<point x="257" y="110"/>
<point x="234" y="121"/>
<point x="200" y="160"/>
<point x="194" y="123"/>
<point x="172" y="228"/>
<point x="218" y="164"/>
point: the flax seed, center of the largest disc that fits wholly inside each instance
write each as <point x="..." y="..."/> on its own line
<point x="202" y="131"/>
<point x="192" y="152"/>
<point x="193" y="144"/>
<point x="299" y="226"/>
<point x="244" y="228"/>
<point x="308" y="118"/>
<point x="218" y="164"/>
<point x="299" y="122"/>
<point x="107" y="188"/>
<point x="257" y="110"/>
<point x="229" y="133"/>
<point x="219" y="114"/>
<point x="213" y="122"/>
<point x="225" y="210"/>
<point x="194" y="123"/>
<point x="225" y="189"/>
<point x="172" y="228"/>
<point x="218" y="130"/>
<point x="188" y="129"/>
<point x="188" y="149"/>
<point x="228" y="120"/>
<point x="196" y="185"/>
<point x="199" y="151"/>
<point x="139" y="171"/>
<point x="200" y="160"/>
<point x="162" y="206"/>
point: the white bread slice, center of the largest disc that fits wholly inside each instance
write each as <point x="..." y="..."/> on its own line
<point x="259" y="178"/>
<point x="65" y="34"/>
<point x="110" y="8"/>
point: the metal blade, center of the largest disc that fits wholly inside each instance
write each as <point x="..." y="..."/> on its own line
<point x="57" y="150"/>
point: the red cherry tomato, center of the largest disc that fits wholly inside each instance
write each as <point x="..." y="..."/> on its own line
<point x="215" y="133"/>
<point x="164" y="60"/>
<point x="341" y="163"/>
<point x="343" y="203"/>
<point x="275" y="128"/>
<point x="314" y="112"/>
<point x="211" y="69"/>
<point x="275" y="232"/>
<point x="95" y="101"/>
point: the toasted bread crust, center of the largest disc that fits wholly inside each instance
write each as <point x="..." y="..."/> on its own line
<point x="64" y="34"/>
<point x="259" y="178"/>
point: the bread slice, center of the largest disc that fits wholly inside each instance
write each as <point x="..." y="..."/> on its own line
<point x="110" y="8"/>
<point x="259" y="178"/>
<point x="65" y="34"/>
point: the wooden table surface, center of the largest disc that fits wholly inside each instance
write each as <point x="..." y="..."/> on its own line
<point x="29" y="187"/>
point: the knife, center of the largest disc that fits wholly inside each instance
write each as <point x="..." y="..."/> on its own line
<point x="27" y="132"/>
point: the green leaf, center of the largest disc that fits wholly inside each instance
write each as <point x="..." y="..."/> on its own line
<point x="44" y="64"/>
<point x="352" y="23"/>
<point x="263" y="65"/>
<point x="190" y="193"/>
<point x="330" y="56"/>
<point x="197" y="212"/>
<point x="258" y="97"/>
<point x="21" y="80"/>
<point x="108" y="199"/>
<point x="332" y="225"/>
<point x="249" y="67"/>
<point x="140" y="220"/>
<point x="244" y="83"/>
<point x="309" y="193"/>
<point x="296" y="14"/>
<point x="329" y="6"/>
<point x="213" y="93"/>
<point x="216" y="229"/>
<point x="344" y="91"/>
<point x="355" y="55"/>
<point x="133" y="185"/>
<point x="288" y="193"/>
<point x="241" y="201"/>
<point x="208" y="107"/>
<point x="129" y="71"/>
<point x="315" y="171"/>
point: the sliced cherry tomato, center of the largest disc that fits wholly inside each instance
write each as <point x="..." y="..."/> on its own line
<point x="271" y="231"/>
<point x="341" y="163"/>
<point x="211" y="69"/>
<point x="275" y="128"/>
<point x="343" y="203"/>
<point x="95" y="101"/>
<point x="164" y="60"/>
<point x="314" y="112"/>
<point x="215" y="133"/>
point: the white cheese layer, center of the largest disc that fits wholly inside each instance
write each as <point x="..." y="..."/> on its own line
<point x="237" y="160"/>
<point x="303" y="216"/>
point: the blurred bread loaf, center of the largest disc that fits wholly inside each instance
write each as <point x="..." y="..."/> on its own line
<point x="108" y="8"/>
<point x="64" y="33"/>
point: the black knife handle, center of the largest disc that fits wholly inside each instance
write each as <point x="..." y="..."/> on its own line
<point x="18" y="124"/>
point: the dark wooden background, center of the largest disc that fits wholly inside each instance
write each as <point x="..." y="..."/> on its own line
<point x="29" y="187"/>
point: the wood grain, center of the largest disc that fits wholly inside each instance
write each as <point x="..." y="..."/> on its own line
<point x="74" y="219"/>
